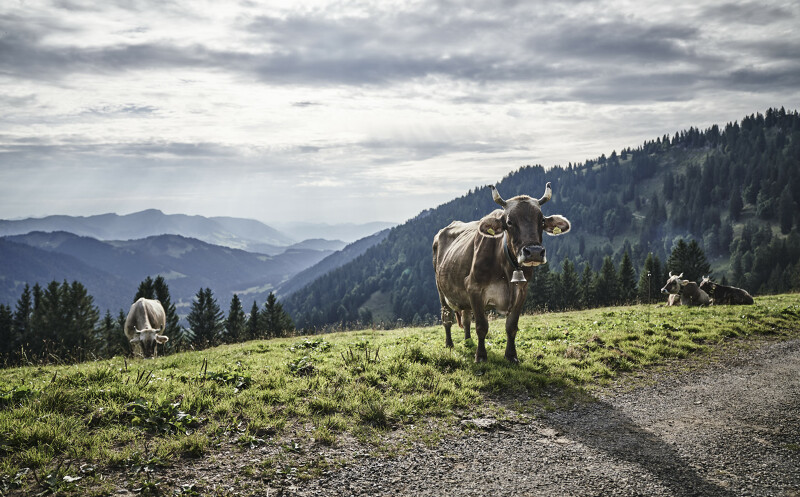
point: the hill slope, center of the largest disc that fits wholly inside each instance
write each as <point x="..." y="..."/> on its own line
<point x="734" y="189"/>
<point x="328" y="264"/>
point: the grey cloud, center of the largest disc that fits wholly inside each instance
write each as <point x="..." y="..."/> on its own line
<point x="14" y="101"/>
<point x="752" y="79"/>
<point x="129" y="109"/>
<point x="558" y="56"/>
<point x="630" y="88"/>
<point x="747" y="13"/>
<point x="615" y="42"/>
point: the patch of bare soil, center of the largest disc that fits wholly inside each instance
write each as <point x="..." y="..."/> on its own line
<point x="728" y="425"/>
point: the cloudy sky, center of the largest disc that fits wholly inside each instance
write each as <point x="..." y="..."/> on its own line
<point x="356" y="111"/>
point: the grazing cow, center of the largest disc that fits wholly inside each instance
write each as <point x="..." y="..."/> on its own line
<point x="723" y="294"/>
<point x="689" y="292"/>
<point x="484" y="265"/>
<point x="145" y="319"/>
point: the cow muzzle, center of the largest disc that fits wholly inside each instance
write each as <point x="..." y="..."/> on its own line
<point x="532" y="255"/>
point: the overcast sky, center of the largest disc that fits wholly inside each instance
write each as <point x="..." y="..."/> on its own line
<point x="356" y="111"/>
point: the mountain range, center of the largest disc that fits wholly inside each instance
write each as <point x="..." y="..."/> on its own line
<point x="112" y="254"/>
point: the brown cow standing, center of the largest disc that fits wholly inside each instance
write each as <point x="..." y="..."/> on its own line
<point x="484" y="265"/>
<point x="723" y="294"/>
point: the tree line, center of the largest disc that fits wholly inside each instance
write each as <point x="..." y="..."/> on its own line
<point x="60" y="323"/>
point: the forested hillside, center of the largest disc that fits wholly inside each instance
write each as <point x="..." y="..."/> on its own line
<point x="731" y="189"/>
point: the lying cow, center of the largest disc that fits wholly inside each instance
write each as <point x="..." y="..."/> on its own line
<point x="145" y="319"/>
<point x="485" y="264"/>
<point x="725" y="295"/>
<point x="689" y="292"/>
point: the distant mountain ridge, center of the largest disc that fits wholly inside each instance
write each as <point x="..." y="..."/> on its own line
<point x="245" y="234"/>
<point x="112" y="270"/>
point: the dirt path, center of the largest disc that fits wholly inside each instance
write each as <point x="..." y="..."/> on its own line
<point x="731" y="428"/>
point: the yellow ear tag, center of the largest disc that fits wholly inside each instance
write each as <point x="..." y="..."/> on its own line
<point x="556" y="230"/>
<point x="491" y="231"/>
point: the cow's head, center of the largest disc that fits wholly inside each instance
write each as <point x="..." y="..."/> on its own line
<point x="149" y="338"/>
<point x="674" y="284"/>
<point x="523" y="223"/>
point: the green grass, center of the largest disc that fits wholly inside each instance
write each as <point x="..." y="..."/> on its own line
<point x="62" y="426"/>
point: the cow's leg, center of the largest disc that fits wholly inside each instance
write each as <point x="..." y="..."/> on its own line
<point x="447" y="322"/>
<point x="512" y="321"/>
<point x="466" y="319"/>
<point x="481" y="328"/>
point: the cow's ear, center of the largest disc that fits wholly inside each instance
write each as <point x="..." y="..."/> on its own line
<point x="136" y="339"/>
<point x="162" y="338"/>
<point x="556" y="225"/>
<point x="491" y="227"/>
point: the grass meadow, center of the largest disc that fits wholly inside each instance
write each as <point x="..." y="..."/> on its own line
<point x="62" y="428"/>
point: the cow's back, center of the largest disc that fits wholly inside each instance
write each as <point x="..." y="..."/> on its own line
<point x="144" y="313"/>
<point x="693" y="295"/>
<point x="453" y="251"/>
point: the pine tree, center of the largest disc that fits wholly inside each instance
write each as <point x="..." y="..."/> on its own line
<point x="786" y="210"/>
<point x="112" y="338"/>
<point x="607" y="286"/>
<point x="688" y="259"/>
<point x="146" y="290"/>
<point x="23" y="314"/>
<point x="540" y="291"/>
<point x="587" y="287"/>
<point x="254" y="328"/>
<point x="205" y="318"/>
<point x="161" y="291"/>
<point x="6" y="333"/>
<point x="77" y="335"/>
<point x="650" y="279"/>
<point x="235" y="322"/>
<point x="735" y="205"/>
<point x="627" y="279"/>
<point x="275" y="321"/>
<point x="570" y="286"/>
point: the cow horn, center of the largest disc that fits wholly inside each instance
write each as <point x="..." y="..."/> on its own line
<point x="548" y="193"/>
<point x="497" y="198"/>
<point x="138" y="330"/>
<point x="670" y="274"/>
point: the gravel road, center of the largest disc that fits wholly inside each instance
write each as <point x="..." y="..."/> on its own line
<point x="724" y="429"/>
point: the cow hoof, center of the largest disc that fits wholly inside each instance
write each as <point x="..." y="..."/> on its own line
<point x="513" y="360"/>
<point x="448" y="344"/>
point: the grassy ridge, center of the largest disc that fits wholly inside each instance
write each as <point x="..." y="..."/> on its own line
<point x="62" y="427"/>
